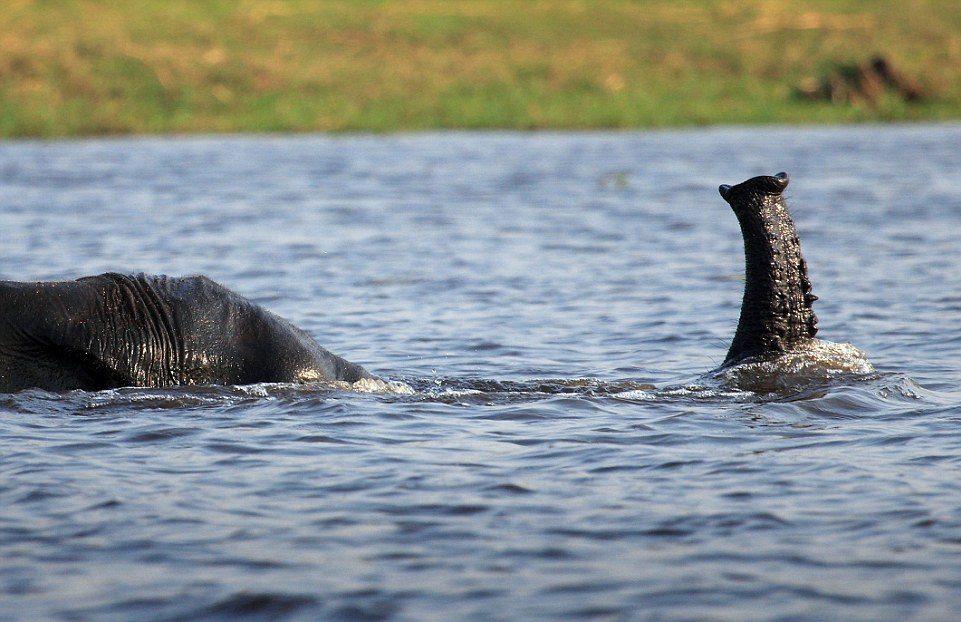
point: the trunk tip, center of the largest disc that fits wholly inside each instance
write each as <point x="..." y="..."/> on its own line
<point x="764" y="184"/>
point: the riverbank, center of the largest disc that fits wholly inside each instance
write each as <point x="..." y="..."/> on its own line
<point x="82" y="68"/>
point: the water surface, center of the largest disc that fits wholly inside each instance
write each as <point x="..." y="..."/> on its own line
<point x="553" y="300"/>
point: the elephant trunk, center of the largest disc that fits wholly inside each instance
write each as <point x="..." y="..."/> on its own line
<point x="776" y="312"/>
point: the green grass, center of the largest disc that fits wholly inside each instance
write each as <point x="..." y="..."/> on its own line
<point x="79" y="67"/>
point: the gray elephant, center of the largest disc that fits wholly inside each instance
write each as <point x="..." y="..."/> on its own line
<point x="114" y="330"/>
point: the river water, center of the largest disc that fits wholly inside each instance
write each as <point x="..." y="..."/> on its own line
<point x="553" y="301"/>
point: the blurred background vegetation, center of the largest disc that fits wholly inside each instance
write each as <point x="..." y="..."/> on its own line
<point x="81" y="67"/>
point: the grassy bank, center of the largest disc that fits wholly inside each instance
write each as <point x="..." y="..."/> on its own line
<point x="75" y="67"/>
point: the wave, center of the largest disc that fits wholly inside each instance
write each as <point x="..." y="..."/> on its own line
<point x="807" y="373"/>
<point x="818" y="363"/>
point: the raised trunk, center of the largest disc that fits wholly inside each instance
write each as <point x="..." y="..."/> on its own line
<point x="776" y="313"/>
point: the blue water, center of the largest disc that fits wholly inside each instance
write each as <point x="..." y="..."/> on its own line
<point x="553" y="301"/>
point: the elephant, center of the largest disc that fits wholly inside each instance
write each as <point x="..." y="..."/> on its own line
<point x="115" y="330"/>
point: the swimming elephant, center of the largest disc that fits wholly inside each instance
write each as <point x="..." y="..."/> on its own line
<point x="114" y="330"/>
<point x="777" y="310"/>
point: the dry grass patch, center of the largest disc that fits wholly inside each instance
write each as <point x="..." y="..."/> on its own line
<point x="82" y="66"/>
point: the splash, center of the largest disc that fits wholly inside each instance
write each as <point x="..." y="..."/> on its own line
<point x="364" y="385"/>
<point x="815" y="362"/>
<point x="376" y="385"/>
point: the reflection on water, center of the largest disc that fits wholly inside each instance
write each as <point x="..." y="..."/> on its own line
<point x="553" y="444"/>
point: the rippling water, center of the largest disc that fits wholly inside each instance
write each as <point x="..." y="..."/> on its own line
<point x="553" y="301"/>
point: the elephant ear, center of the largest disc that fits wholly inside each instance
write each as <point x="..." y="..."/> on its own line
<point x="89" y="340"/>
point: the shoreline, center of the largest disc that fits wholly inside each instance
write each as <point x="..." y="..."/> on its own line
<point x="149" y="68"/>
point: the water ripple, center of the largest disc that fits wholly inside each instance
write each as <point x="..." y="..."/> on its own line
<point x="551" y="443"/>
